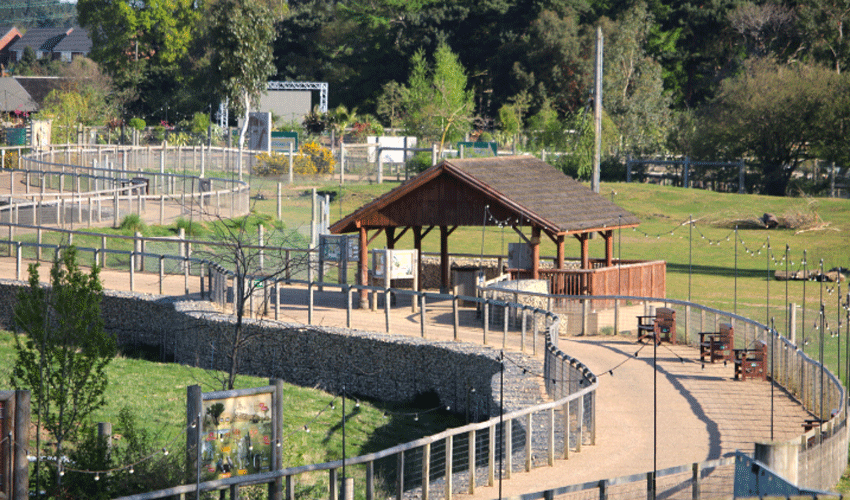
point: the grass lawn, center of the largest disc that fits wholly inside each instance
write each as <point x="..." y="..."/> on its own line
<point x="155" y="393"/>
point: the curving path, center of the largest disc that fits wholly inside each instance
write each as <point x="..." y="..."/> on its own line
<point x="702" y="413"/>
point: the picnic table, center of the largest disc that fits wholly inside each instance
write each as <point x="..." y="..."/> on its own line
<point x="750" y="363"/>
<point x="717" y="346"/>
<point x="658" y="327"/>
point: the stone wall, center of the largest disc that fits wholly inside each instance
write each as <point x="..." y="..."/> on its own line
<point x="372" y="365"/>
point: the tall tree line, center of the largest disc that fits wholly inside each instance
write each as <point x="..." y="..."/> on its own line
<point x="528" y="62"/>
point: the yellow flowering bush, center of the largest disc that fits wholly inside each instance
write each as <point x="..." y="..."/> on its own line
<point x="312" y="159"/>
<point x="271" y="164"/>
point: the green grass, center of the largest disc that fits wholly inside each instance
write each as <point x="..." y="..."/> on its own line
<point x="155" y="393"/>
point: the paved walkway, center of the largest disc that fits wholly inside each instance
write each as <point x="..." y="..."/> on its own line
<point x="702" y="414"/>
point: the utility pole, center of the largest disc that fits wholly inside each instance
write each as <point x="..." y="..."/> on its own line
<point x="597" y="112"/>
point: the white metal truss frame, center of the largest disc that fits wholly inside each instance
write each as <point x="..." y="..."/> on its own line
<point x="322" y="87"/>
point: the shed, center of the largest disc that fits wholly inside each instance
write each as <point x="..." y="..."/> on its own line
<point x="527" y="192"/>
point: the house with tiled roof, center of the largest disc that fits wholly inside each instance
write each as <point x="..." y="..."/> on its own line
<point x="8" y="36"/>
<point x="76" y="44"/>
<point x="41" y="40"/>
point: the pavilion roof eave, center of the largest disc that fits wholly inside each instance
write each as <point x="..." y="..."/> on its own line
<point x="597" y="229"/>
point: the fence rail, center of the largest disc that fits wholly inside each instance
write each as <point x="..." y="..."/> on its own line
<point x="567" y="423"/>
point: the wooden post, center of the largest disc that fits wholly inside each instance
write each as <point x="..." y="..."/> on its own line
<point x="363" y="265"/>
<point x="535" y="252"/>
<point x="444" y="259"/>
<point x="20" y="464"/>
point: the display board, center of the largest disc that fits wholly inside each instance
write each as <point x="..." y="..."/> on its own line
<point x="390" y="265"/>
<point x="239" y="431"/>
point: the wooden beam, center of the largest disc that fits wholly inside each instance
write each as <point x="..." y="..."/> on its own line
<point x="390" y="231"/>
<point x="585" y="261"/>
<point x="519" y="232"/>
<point x="379" y="231"/>
<point x="585" y="253"/>
<point x="427" y="231"/>
<point x="560" y="252"/>
<point x="417" y="244"/>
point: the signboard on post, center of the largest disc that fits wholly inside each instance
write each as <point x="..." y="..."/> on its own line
<point x="391" y="265"/>
<point x="260" y="131"/>
<point x="239" y="431"/>
<point x="281" y="141"/>
<point x="479" y="148"/>
<point x="342" y="248"/>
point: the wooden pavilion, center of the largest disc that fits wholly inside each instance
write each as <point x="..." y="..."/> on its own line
<point x="523" y="191"/>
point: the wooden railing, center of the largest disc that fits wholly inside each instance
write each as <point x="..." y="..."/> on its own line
<point x="626" y="277"/>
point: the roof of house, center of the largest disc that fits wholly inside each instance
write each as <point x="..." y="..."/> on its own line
<point x="8" y="35"/>
<point x="14" y="97"/>
<point x="39" y="86"/>
<point x="40" y="39"/>
<point x="487" y="190"/>
<point x="77" y="41"/>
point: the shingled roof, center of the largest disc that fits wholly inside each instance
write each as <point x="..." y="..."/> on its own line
<point x="458" y="192"/>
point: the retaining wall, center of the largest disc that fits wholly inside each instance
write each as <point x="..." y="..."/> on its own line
<point x="379" y="366"/>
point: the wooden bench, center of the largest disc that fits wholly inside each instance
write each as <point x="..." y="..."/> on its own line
<point x="750" y="363"/>
<point x="661" y="326"/>
<point x="717" y="346"/>
<point x="811" y="423"/>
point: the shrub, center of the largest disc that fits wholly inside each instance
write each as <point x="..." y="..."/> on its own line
<point x="189" y="227"/>
<point x="314" y="159"/>
<point x="419" y="162"/>
<point x="132" y="222"/>
<point x="271" y="164"/>
<point x="137" y="123"/>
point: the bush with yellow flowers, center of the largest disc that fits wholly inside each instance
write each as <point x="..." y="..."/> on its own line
<point x="314" y="159"/>
<point x="271" y="164"/>
<point x="311" y="159"/>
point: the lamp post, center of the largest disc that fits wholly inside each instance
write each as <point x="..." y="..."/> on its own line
<point x="501" y="417"/>
<point x="654" y="414"/>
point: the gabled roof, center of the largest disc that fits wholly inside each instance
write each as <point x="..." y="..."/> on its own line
<point x="8" y="35"/>
<point x="39" y="86"/>
<point x="460" y="192"/>
<point x="77" y="41"/>
<point x="13" y="97"/>
<point x="40" y="39"/>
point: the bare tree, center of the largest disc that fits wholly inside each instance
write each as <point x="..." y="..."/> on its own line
<point x="761" y="25"/>
<point x="252" y="247"/>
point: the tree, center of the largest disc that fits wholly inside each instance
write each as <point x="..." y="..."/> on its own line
<point x="634" y="95"/>
<point x="142" y="45"/>
<point x="254" y="268"/>
<point x="391" y="102"/>
<point x="439" y="106"/>
<point x="242" y="34"/>
<point x="777" y="115"/>
<point x="63" y="357"/>
<point x="825" y="23"/>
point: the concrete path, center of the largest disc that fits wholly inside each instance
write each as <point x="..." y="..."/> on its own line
<point x="702" y="413"/>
